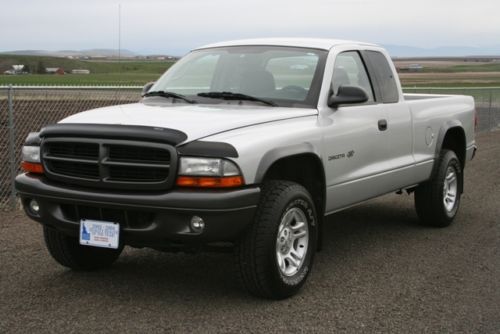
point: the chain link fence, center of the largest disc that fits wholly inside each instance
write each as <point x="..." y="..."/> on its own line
<point x="25" y="109"/>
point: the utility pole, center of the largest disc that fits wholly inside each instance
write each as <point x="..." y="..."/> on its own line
<point x="119" y="31"/>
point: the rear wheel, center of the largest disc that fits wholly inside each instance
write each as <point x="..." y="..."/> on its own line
<point x="276" y="254"/>
<point x="69" y="253"/>
<point x="437" y="201"/>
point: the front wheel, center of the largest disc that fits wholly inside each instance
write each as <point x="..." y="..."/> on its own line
<point x="276" y="254"/>
<point x="437" y="201"/>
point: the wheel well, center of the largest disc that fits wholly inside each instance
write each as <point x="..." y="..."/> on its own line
<point x="305" y="169"/>
<point x="455" y="140"/>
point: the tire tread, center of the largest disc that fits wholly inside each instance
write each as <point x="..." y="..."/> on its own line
<point x="428" y="195"/>
<point x="252" y="251"/>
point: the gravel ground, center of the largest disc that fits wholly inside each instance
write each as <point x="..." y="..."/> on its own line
<point x="379" y="272"/>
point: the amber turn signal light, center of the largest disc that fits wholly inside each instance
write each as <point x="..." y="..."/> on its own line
<point x="31" y="167"/>
<point x="210" y="182"/>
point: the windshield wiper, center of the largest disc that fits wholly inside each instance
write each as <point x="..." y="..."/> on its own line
<point x="163" y="93"/>
<point x="236" y="96"/>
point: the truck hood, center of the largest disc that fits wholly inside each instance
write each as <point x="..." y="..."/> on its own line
<point x="196" y="121"/>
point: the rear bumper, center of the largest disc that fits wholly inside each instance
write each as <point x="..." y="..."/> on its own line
<point x="146" y="219"/>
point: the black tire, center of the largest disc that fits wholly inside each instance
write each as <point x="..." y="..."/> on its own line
<point x="257" y="252"/>
<point x="69" y="253"/>
<point x="429" y="196"/>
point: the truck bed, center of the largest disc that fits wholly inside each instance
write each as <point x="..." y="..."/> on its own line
<point x="413" y="96"/>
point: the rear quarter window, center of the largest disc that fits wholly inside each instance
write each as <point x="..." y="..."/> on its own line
<point x="384" y="76"/>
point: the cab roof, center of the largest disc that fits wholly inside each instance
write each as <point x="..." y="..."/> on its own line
<point x="314" y="43"/>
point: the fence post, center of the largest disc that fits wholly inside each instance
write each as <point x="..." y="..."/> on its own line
<point x="12" y="148"/>
<point x="490" y="112"/>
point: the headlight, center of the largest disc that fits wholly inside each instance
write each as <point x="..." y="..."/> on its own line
<point x="31" y="153"/>
<point x="207" y="167"/>
<point x="208" y="173"/>
<point x="31" y="160"/>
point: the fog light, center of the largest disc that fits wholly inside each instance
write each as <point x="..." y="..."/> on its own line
<point x="197" y="224"/>
<point x="34" y="206"/>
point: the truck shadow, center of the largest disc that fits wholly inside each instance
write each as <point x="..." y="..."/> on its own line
<point x="370" y="222"/>
<point x="148" y="275"/>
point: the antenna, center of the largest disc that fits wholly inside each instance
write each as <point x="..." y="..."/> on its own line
<point x="119" y="31"/>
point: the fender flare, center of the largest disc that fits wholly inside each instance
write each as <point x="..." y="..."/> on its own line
<point x="443" y="131"/>
<point x="448" y="125"/>
<point x="271" y="156"/>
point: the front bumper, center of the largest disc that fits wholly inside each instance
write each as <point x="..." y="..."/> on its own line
<point x="146" y="219"/>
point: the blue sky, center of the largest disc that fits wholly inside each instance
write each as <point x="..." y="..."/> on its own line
<point x="175" y="27"/>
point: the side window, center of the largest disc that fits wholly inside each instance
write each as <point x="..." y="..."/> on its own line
<point x="384" y="75"/>
<point x="349" y="70"/>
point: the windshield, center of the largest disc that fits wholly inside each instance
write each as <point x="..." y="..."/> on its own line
<point x="282" y="76"/>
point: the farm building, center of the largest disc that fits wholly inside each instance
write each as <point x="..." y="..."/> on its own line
<point x="415" y="68"/>
<point x="54" y="70"/>
<point x="410" y="68"/>
<point x="80" y="71"/>
<point x="16" y="69"/>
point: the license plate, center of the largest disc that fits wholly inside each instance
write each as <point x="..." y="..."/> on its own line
<point x="99" y="233"/>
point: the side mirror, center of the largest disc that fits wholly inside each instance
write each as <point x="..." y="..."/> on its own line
<point x="348" y="95"/>
<point x="147" y="87"/>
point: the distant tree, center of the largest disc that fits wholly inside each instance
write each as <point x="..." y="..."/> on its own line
<point x="27" y="69"/>
<point x="40" y="67"/>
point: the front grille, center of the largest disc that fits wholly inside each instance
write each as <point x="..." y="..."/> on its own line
<point x="128" y="218"/>
<point x="74" y="150"/>
<point x="125" y="173"/>
<point x="145" y="154"/>
<point x="108" y="163"/>
<point x="75" y="169"/>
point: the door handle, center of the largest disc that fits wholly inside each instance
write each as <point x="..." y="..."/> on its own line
<point x="382" y="124"/>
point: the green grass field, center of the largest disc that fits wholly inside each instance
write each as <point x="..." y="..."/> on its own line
<point x="103" y="79"/>
<point x="493" y="67"/>
<point x="95" y="66"/>
<point x="102" y="72"/>
<point x="450" y="83"/>
<point x="137" y="73"/>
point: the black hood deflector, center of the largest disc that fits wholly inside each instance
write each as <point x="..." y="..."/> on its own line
<point x="115" y="131"/>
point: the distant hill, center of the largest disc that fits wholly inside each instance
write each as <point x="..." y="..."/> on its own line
<point x="394" y="50"/>
<point x="73" y="53"/>
<point x="451" y="51"/>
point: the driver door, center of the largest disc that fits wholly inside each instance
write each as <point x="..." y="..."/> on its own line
<point x="354" y="145"/>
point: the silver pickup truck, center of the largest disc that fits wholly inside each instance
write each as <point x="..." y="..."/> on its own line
<point x="246" y="145"/>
